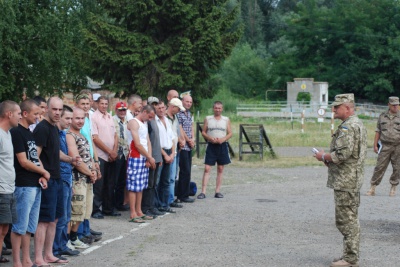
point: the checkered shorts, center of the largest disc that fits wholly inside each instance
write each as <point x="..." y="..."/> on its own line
<point x="137" y="175"/>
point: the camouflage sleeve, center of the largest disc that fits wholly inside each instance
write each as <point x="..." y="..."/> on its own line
<point x="344" y="144"/>
<point x="378" y="125"/>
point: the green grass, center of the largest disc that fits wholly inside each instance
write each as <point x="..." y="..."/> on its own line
<point x="281" y="134"/>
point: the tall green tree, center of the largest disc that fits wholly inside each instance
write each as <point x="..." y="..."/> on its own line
<point x="37" y="47"/>
<point x="150" y="46"/>
<point x="353" y="45"/>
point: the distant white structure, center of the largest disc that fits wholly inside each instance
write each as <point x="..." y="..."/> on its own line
<point x="93" y="85"/>
<point x="317" y="90"/>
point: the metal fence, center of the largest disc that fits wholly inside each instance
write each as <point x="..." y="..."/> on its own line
<point x="295" y="110"/>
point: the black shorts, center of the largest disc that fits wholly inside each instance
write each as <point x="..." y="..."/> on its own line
<point x="51" y="205"/>
<point x="8" y="212"/>
<point x="217" y="153"/>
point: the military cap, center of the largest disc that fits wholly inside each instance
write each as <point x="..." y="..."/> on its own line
<point x="343" y="98"/>
<point x="393" y="100"/>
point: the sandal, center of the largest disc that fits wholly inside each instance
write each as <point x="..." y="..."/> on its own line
<point x="4" y="260"/>
<point x="201" y="196"/>
<point x="137" y="220"/>
<point x="147" y="218"/>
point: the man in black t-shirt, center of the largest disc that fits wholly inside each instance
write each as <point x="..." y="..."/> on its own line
<point x="29" y="175"/>
<point x="51" y="207"/>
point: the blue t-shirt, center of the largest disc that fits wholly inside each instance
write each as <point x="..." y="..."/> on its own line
<point x="66" y="168"/>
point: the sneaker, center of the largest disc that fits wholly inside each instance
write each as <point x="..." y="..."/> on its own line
<point x="93" y="232"/>
<point x="70" y="246"/>
<point x="175" y="205"/>
<point x="157" y="212"/>
<point x="68" y="252"/>
<point x="87" y="239"/>
<point x="79" y="244"/>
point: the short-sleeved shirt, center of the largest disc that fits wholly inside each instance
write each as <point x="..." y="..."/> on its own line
<point x="166" y="135"/>
<point x="185" y="120"/>
<point x="7" y="172"/>
<point x="175" y="128"/>
<point x="46" y="136"/>
<point x="24" y="142"/>
<point x="388" y="126"/>
<point x="103" y="126"/>
<point x="65" y="167"/>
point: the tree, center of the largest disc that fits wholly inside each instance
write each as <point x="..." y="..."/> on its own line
<point x="150" y="46"/>
<point x="354" y="45"/>
<point x="247" y="73"/>
<point x="38" y="46"/>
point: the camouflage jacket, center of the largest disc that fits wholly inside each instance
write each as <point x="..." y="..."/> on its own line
<point x="388" y="126"/>
<point x="348" y="151"/>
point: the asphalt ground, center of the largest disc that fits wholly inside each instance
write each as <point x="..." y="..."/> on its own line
<point x="268" y="217"/>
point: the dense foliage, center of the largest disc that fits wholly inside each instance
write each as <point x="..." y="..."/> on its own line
<point x="246" y="47"/>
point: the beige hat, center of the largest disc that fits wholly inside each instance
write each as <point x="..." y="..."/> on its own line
<point x="152" y="99"/>
<point x="177" y="103"/>
<point x="343" y="98"/>
<point x="393" y="100"/>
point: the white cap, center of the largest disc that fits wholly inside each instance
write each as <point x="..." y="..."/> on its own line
<point x="96" y="96"/>
<point x="177" y="103"/>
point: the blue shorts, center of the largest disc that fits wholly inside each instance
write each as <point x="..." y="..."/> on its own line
<point x="8" y="213"/>
<point x="217" y="153"/>
<point x="51" y="205"/>
<point x="137" y="175"/>
<point x="28" y="205"/>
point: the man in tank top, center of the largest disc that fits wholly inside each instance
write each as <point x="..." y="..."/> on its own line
<point x="139" y="160"/>
<point x="216" y="130"/>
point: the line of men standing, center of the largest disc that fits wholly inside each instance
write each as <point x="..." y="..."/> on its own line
<point x="81" y="163"/>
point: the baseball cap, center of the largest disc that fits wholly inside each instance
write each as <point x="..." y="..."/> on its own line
<point x="393" y="100"/>
<point x="343" y="98"/>
<point x="96" y="96"/>
<point x="152" y="99"/>
<point x="177" y="103"/>
<point x="121" y="106"/>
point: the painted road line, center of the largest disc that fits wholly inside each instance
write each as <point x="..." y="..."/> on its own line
<point x="112" y="240"/>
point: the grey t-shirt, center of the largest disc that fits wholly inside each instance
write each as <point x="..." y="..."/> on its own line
<point x="7" y="172"/>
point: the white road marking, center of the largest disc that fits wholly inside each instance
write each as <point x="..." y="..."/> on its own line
<point x="87" y="251"/>
<point x="112" y="240"/>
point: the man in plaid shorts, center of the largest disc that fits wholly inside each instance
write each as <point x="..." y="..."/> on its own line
<point x="139" y="161"/>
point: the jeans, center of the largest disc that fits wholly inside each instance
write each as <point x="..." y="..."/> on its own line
<point x="84" y="228"/>
<point x="27" y="201"/>
<point x="61" y="236"/>
<point x="163" y="184"/>
<point x="172" y="176"/>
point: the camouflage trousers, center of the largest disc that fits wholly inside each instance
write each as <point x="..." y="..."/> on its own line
<point x="82" y="200"/>
<point x="389" y="153"/>
<point x="346" y="215"/>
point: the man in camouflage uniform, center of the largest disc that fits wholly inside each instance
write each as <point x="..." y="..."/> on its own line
<point x="345" y="164"/>
<point x="388" y="132"/>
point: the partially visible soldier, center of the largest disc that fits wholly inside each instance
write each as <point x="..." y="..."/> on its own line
<point x="388" y="132"/>
<point x="345" y="164"/>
